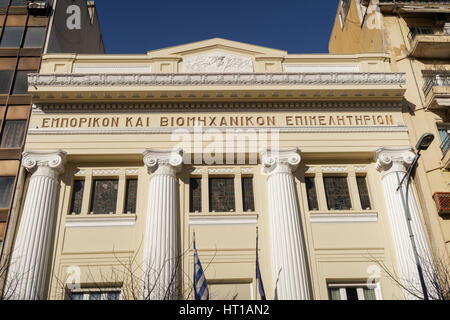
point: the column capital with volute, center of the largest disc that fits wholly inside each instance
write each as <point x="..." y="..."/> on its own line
<point x="391" y="159"/>
<point x="276" y="161"/>
<point x="166" y="162"/>
<point x="45" y="163"/>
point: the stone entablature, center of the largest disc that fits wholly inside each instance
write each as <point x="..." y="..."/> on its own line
<point x="215" y="79"/>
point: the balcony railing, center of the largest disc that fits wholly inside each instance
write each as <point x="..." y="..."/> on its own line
<point x="438" y="80"/>
<point x="414" y="1"/>
<point x="427" y="31"/>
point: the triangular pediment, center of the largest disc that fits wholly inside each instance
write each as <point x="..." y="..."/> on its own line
<point x="217" y="55"/>
<point x="217" y="44"/>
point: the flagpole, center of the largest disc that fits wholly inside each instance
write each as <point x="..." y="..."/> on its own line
<point x="259" y="282"/>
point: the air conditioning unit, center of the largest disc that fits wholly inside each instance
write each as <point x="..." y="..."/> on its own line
<point x="442" y="200"/>
<point x="39" y="8"/>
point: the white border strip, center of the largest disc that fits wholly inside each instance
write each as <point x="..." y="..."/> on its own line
<point x="223" y="220"/>
<point x="101" y="222"/>
<point x="348" y="129"/>
<point x="344" y="218"/>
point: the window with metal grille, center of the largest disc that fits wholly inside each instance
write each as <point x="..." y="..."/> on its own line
<point x="247" y="194"/>
<point x="77" y="197"/>
<point x="351" y="292"/>
<point x="6" y="188"/>
<point x="221" y="195"/>
<point x="363" y="192"/>
<point x="13" y="134"/>
<point x="311" y="194"/>
<point x="131" y="196"/>
<point x="95" y="295"/>
<point x="195" y="195"/>
<point x="337" y="193"/>
<point x="104" y="196"/>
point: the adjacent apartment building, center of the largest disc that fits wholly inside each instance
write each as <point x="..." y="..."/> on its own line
<point x="28" y="29"/>
<point x="416" y="37"/>
<point x="129" y="156"/>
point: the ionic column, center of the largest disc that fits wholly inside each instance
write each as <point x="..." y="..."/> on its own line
<point x="289" y="261"/>
<point x="30" y="256"/>
<point x="393" y="164"/>
<point x="161" y="256"/>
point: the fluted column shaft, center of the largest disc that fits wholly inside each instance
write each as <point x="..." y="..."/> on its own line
<point x="393" y="164"/>
<point x="161" y="256"/>
<point x="289" y="261"/>
<point x="30" y="256"/>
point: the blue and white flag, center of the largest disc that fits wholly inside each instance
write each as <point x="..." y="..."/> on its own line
<point x="258" y="273"/>
<point x="200" y="285"/>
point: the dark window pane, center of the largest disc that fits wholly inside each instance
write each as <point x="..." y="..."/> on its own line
<point x="113" y="296"/>
<point x="311" y="193"/>
<point x="336" y="190"/>
<point x="19" y="2"/>
<point x="352" y="294"/>
<point x="4" y="3"/>
<point x="334" y="294"/>
<point x="363" y="193"/>
<point x="131" y="195"/>
<point x="5" y="81"/>
<point x="195" y="195"/>
<point x="76" y="296"/>
<point x="345" y="6"/>
<point x="6" y="188"/>
<point x="104" y="196"/>
<point x="221" y="195"/>
<point x="11" y="37"/>
<point x="369" y="294"/>
<point x="77" y="196"/>
<point x="247" y="194"/>
<point x="95" y="296"/>
<point x="21" y="82"/>
<point x="34" y="37"/>
<point x="13" y="133"/>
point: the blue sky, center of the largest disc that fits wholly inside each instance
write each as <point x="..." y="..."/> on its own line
<point x="137" y="26"/>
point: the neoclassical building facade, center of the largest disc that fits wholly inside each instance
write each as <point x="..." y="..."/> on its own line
<point x="128" y="156"/>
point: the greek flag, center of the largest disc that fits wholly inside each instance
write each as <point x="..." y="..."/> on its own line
<point x="258" y="273"/>
<point x="200" y="285"/>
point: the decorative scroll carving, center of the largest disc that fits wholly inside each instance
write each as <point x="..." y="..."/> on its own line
<point x="218" y="61"/>
<point x="48" y="163"/>
<point x="223" y="79"/>
<point x="393" y="159"/>
<point x="166" y="162"/>
<point x="280" y="160"/>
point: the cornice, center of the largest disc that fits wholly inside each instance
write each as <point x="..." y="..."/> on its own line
<point x="214" y="79"/>
<point x="208" y="106"/>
